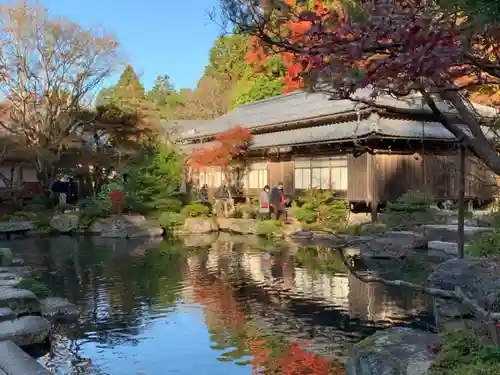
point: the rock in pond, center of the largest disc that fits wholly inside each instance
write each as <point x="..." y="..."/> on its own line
<point x="199" y="225"/>
<point x="126" y="226"/>
<point x="238" y="226"/>
<point x="56" y="308"/>
<point x="64" y="223"/>
<point x="26" y="330"/>
<point x="20" y="301"/>
<point x="394" y="351"/>
<point x="479" y="277"/>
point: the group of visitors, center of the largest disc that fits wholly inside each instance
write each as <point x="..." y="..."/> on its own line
<point x="272" y="202"/>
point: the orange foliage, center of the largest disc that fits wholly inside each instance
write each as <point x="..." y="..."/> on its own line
<point x="295" y="31"/>
<point x="232" y="148"/>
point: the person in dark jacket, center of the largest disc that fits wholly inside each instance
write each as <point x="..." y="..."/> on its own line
<point x="204" y="194"/>
<point x="223" y="199"/>
<point x="277" y="202"/>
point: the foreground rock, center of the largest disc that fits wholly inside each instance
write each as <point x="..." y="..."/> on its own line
<point x="20" y="301"/>
<point x="395" y="351"/>
<point x="56" y="308"/>
<point x="479" y="277"/>
<point x="199" y="225"/>
<point x="390" y="245"/>
<point x="64" y="223"/>
<point x="238" y="226"/>
<point x="26" y="330"/>
<point x="14" y="361"/>
<point x="126" y="226"/>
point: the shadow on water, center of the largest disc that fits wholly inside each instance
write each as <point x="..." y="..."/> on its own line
<point x="220" y="304"/>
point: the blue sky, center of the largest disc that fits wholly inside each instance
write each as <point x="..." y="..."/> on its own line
<point x="157" y="36"/>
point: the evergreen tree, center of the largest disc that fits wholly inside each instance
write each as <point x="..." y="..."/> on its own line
<point x="153" y="183"/>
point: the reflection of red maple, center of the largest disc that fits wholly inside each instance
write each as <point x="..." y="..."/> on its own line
<point x="232" y="148"/>
<point x="218" y="297"/>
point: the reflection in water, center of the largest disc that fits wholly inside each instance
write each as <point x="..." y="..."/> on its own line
<point x="220" y="306"/>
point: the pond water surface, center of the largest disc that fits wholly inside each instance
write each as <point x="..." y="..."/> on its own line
<point x="208" y="305"/>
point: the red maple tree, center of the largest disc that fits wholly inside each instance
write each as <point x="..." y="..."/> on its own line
<point x="230" y="151"/>
<point x="395" y="48"/>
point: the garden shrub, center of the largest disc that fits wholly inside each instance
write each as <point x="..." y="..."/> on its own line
<point x="195" y="210"/>
<point x="269" y="228"/>
<point x="92" y="209"/>
<point x="411" y="209"/>
<point x="170" y="220"/>
<point x="321" y="208"/>
<point x="487" y="244"/>
<point x="466" y="352"/>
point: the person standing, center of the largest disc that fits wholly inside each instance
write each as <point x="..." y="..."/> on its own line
<point x="277" y="201"/>
<point x="264" y="207"/>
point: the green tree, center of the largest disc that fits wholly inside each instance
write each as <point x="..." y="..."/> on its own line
<point x="160" y="91"/>
<point x="154" y="181"/>
<point x="129" y="96"/>
<point x="227" y="58"/>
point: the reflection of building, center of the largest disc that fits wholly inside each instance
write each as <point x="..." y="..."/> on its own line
<point x="371" y="302"/>
<point x="334" y="290"/>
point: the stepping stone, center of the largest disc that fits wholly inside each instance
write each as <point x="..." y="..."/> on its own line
<point x="18" y="270"/>
<point x="26" y="330"/>
<point x="14" y="361"/>
<point x="56" y="308"/>
<point x="17" y="262"/>
<point x="6" y="314"/>
<point x="9" y="282"/>
<point x="20" y="301"/>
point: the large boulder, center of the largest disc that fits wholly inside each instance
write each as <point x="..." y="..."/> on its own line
<point x="20" y="301"/>
<point x="394" y="351"/>
<point x="56" y="308"/>
<point x="238" y="226"/>
<point x="64" y="223"/>
<point x="26" y="330"/>
<point x="199" y="225"/>
<point x="126" y="226"/>
<point x="390" y="245"/>
<point x="478" y="277"/>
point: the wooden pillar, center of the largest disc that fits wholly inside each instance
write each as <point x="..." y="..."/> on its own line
<point x="461" y="200"/>
<point x="372" y="163"/>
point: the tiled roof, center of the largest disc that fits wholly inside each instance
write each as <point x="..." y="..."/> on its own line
<point x="373" y="125"/>
<point x="303" y="106"/>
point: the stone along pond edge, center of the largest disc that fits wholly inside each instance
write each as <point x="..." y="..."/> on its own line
<point x="25" y="319"/>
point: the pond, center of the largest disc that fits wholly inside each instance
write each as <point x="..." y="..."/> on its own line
<point x="208" y="304"/>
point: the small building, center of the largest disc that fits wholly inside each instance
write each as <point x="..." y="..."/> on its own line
<point x="363" y="153"/>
